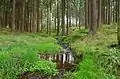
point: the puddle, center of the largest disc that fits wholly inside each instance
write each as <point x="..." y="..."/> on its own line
<point x="65" y="61"/>
<point x="62" y="60"/>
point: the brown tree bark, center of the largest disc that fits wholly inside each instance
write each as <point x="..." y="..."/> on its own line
<point x="99" y="13"/>
<point x="13" y="16"/>
<point x="38" y="15"/>
<point x="34" y="26"/>
<point x="67" y="14"/>
<point x="109" y="12"/>
<point x="93" y="26"/>
<point x="63" y="17"/>
<point x="86" y="13"/>
<point x="23" y="17"/>
<point x="89" y="13"/>
<point x="58" y="18"/>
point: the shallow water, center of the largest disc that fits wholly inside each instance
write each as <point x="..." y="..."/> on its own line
<point x="65" y="61"/>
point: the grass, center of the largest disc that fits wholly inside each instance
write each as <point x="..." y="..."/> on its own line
<point x="41" y="44"/>
<point x="19" y="53"/>
<point x="99" y="61"/>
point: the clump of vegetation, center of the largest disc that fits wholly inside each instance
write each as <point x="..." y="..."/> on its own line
<point x="75" y="35"/>
<point x="46" y="68"/>
<point x="99" y="60"/>
<point x="19" y="54"/>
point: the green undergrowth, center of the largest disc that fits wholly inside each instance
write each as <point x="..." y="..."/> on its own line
<point x="21" y="53"/>
<point x="88" y="69"/>
<point x="74" y="36"/>
<point x="40" y="44"/>
<point x="100" y="60"/>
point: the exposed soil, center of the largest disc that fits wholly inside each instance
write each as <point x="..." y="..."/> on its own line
<point x="33" y="75"/>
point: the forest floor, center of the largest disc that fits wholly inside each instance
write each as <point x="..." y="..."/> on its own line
<point x="101" y="56"/>
<point x="19" y="53"/>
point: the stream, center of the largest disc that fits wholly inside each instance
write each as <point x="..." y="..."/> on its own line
<point x="65" y="61"/>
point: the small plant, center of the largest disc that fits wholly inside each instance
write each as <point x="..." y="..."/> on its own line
<point x="46" y="68"/>
<point x="111" y="61"/>
<point x="87" y="69"/>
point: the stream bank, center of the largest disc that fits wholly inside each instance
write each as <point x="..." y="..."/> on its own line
<point x="65" y="61"/>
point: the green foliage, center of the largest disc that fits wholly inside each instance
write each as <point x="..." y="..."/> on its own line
<point x="40" y="44"/>
<point x="48" y="48"/>
<point x="76" y="34"/>
<point x="44" y="67"/>
<point x="99" y="59"/>
<point x="68" y="75"/>
<point x="16" y="60"/>
<point x="111" y="61"/>
<point x="88" y="69"/>
<point x="19" y="53"/>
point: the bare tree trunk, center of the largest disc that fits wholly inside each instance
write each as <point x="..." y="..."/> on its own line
<point x="58" y="18"/>
<point x="13" y="16"/>
<point x="50" y="17"/>
<point x="47" y="20"/>
<point x="118" y="32"/>
<point x="41" y="20"/>
<point x="38" y="15"/>
<point x="99" y="13"/>
<point x="79" y="16"/>
<point x="34" y="27"/>
<point x="86" y="13"/>
<point x="67" y="14"/>
<point x="70" y="16"/>
<point x="106" y="12"/>
<point x="63" y="17"/>
<point x="103" y="11"/>
<point x="109" y="12"/>
<point x="23" y="12"/>
<point x="93" y="26"/>
<point x="89" y="13"/>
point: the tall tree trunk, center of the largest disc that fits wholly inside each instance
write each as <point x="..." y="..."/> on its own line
<point x="47" y="20"/>
<point x="13" y="16"/>
<point x="23" y="13"/>
<point x="41" y="19"/>
<point x="58" y="18"/>
<point x="50" y="17"/>
<point x="117" y="10"/>
<point x="103" y="11"/>
<point x="106" y="11"/>
<point x="63" y="17"/>
<point x="113" y="14"/>
<point x="38" y="15"/>
<point x="93" y="26"/>
<point x="67" y="14"/>
<point x="79" y="16"/>
<point x="86" y="13"/>
<point x="109" y="12"/>
<point x="118" y="31"/>
<point x="89" y="13"/>
<point x="70" y="16"/>
<point x="34" y="27"/>
<point x="99" y="13"/>
<point x="55" y="18"/>
<point x="76" y="19"/>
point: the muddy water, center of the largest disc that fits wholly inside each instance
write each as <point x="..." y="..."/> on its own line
<point x="65" y="61"/>
<point x="62" y="60"/>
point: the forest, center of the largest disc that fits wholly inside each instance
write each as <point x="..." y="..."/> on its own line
<point x="59" y="39"/>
